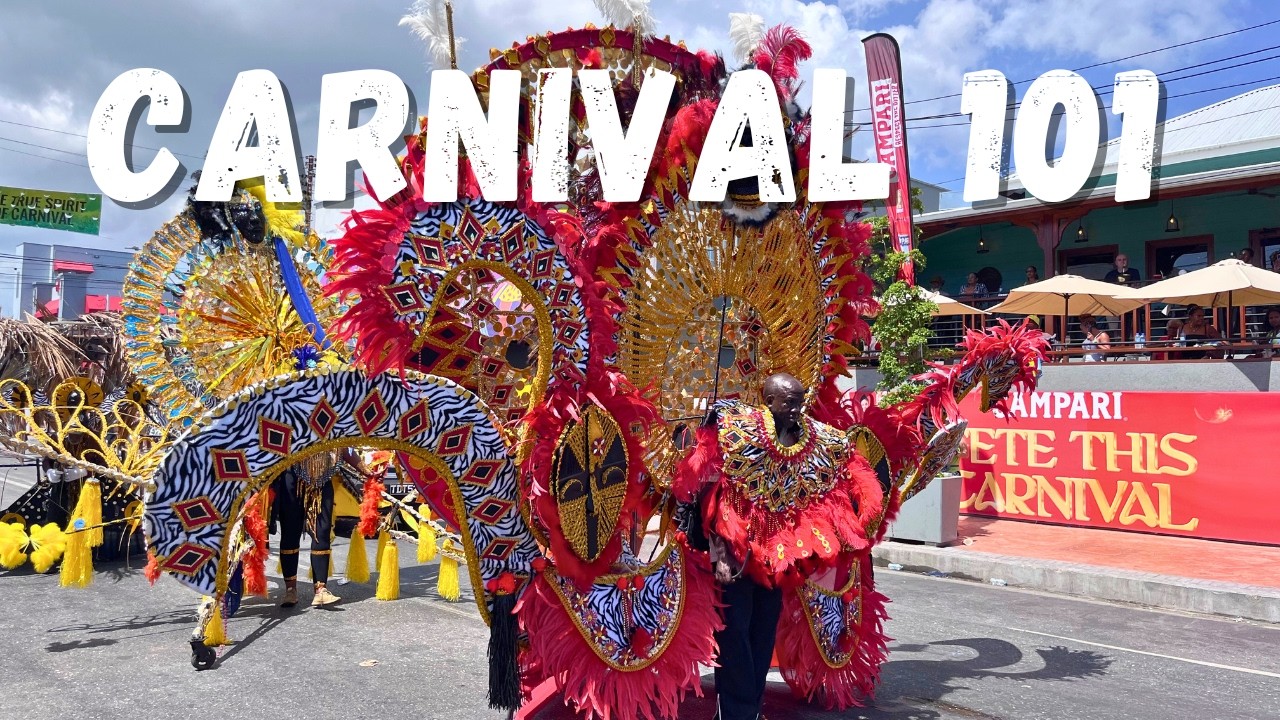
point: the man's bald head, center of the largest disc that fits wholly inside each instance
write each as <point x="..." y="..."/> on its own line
<point x="780" y="384"/>
<point x="784" y="396"/>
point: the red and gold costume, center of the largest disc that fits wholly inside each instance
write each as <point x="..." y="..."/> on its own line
<point x="785" y="512"/>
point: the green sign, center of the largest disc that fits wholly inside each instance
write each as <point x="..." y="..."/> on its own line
<point x="75" y="212"/>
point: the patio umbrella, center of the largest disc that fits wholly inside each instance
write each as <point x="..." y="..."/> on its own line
<point x="948" y="306"/>
<point x="1223" y="284"/>
<point x="1067" y="295"/>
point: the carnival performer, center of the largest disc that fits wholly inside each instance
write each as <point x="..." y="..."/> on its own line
<point x="783" y="497"/>
<point x="304" y="500"/>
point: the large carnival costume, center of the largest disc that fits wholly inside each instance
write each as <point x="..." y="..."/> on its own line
<point x="539" y="369"/>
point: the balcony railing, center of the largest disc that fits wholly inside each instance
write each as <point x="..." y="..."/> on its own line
<point x="1151" y="319"/>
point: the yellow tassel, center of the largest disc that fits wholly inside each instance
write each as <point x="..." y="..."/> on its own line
<point x="357" y="559"/>
<point x="77" y="562"/>
<point x="382" y="547"/>
<point x="426" y="536"/>
<point x="13" y="545"/>
<point x="89" y="509"/>
<point x="279" y="567"/>
<point x="215" y="632"/>
<point x="48" y="542"/>
<point x="389" y="573"/>
<point x="447" y="584"/>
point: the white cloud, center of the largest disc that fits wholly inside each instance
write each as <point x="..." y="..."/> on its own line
<point x="1104" y="29"/>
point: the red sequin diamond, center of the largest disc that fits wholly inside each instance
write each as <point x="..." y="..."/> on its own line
<point x="416" y="421"/>
<point x="274" y="436"/>
<point x="196" y="513"/>
<point x="405" y="298"/>
<point x="371" y="412"/>
<point x="500" y="549"/>
<point x="230" y="465"/>
<point x="322" y="418"/>
<point x="491" y="510"/>
<point x="482" y="472"/>
<point x="188" y="559"/>
<point x="454" y="442"/>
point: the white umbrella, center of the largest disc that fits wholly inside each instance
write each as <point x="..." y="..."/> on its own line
<point x="1229" y="283"/>
<point x="948" y="306"/>
<point x="1067" y="295"/>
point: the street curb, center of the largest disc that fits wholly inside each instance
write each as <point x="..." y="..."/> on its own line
<point x="1167" y="592"/>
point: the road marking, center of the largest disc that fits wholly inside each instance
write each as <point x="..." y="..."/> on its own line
<point x="1144" y="652"/>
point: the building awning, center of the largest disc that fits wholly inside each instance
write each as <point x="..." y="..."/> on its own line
<point x="1092" y="198"/>
<point x="98" y="303"/>
<point x="72" y="266"/>
<point x="92" y="304"/>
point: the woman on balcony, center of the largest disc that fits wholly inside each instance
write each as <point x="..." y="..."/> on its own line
<point x="973" y="288"/>
<point x="1198" y="331"/>
<point x="1096" y="341"/>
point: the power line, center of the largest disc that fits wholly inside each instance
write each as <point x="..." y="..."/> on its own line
<point x="82" y="135"/>
<point x="1108" y="107"/>
<point x="1100" y="92"/>
<point x="1128" y="57"/>
<point x="42" y="147"/>
<point x="43" y="157"/>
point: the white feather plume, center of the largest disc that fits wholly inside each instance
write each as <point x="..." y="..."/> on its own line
<point x="746" y="30"/>
<point x="430" y="22"/>
<point x="628" y="13"/>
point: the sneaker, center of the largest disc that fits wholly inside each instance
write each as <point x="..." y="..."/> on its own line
<point x="290" y="598"/>
<point x="323" y="597"/>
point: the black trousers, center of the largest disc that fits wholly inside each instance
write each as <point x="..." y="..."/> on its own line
<point x="746" y="647"/>
<point x="291" y="511"/>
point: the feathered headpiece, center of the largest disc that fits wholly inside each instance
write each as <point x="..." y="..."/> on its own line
<point x="746" y="30"/>
<point x="628" y="13"/>
<point x="432" y="21"/>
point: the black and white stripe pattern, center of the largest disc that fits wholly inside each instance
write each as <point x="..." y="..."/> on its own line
<point x="490" y="510"/>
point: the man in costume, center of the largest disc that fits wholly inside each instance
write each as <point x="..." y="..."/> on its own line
<point x="782" y="504"/>
<point x="304" y="499"/>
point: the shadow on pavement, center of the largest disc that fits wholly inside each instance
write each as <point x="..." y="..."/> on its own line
<point x="928" y="682"/>
<point x="911" y="689"/>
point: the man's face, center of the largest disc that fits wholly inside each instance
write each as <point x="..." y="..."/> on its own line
<point x="785" y="404"/>
<point x="1273" y="319"/>
<point x="1122" y="262"/>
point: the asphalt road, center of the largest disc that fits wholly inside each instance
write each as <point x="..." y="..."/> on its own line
<point x="118" y="649"/>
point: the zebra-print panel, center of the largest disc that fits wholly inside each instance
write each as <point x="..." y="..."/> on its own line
<point x="830" y="616"/>
<point x="607" y="615"/>
<point x="243" y="443"/>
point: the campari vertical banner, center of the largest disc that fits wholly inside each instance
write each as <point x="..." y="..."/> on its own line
<point x="888" y="123"/>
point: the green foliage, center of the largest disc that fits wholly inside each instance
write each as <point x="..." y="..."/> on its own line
<point x="902" y="327"/>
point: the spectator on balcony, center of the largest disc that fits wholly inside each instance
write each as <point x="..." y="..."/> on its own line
<point x="1122" y="273"/>
<point x="1096" y="341"/>
<point x="936" y="284"/>
<point x="973" y="288"/>
<point x="1275" y="261"/>
<point x="1246" y="255"/>
<point x="1270" y="338"/>
<point x="1198" y="331"/>
<point x="1033" y="275"/>
<point x="1172" y="337"/>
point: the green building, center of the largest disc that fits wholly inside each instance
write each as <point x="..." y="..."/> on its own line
<point x="1215" y="191"/>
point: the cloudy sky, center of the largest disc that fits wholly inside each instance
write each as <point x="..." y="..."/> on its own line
<point x="60" y="56"/>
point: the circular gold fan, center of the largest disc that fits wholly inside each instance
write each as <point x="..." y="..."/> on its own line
<point x="703" y="273"/>
<point x="238" y="323"/>
<point x="204" y="319"/>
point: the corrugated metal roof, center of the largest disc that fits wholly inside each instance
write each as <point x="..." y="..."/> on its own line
<point x="1247" y="118"/>
<point x="1249" y="121"/>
